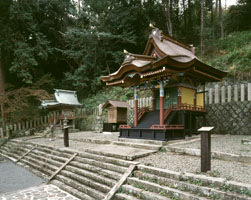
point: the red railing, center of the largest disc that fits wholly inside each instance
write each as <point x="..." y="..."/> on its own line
<point x="142" y="111"/>
<point x="125" y="126"/>
<point x="185" y="106"/>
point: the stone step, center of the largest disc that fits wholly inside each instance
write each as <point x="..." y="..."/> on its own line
<point x="91" y="175"/>
<point x="142" y="141"/>
<point x="203" y="180"/>
<point x="82" y="188"/>
<point x="138" y="145"/>
<point x="164" y="190"/>
<point x="101" y="164"/>
<point x="184" y="186"/>
<point x="123" y="196"/>
<point x="33" y="170"/>
<point x="7" y="156"/>
<point x="33" y="167"/>
<point x="86" y="181"/>
<point x="55" y="158"/>
<point x="142" y="194"/>
<point x="103" y="172"/>
<point x="106" y="159"/>
<point x="52" y="151"/>
<point x="45" y="159"/>
<point x="108" y="154"/>
<point x="41" y="166"/>
<point x="72" y="190"/>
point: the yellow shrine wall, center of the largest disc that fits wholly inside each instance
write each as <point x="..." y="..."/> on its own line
<point x="200" y="99"/>
<point x="187" y="95"/>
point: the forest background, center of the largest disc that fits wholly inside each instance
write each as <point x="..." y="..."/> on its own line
<point x="67" y="44"/>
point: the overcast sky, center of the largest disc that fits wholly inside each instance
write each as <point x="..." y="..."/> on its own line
<point x="230" y="2"/>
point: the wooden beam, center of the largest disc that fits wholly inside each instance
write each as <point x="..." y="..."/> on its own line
<point x="66" y="163"/>
<point x="115" y="188"/>
<point x="26" y="154"/>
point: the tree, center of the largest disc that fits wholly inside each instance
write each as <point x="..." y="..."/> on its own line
<point x="221" y="20"/>
<point x="201" y="26"/>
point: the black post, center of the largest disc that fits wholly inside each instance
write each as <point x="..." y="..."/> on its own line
<point x="66" y="136"/>
<point x="205" y="151"/>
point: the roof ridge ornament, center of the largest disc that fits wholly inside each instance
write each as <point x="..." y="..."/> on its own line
<point x="156" y="32"/>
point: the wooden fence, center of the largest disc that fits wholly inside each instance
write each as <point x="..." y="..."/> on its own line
<point x="28" y="124"/>
<point x="223" y="94"/>
<point x="217" y="94"/>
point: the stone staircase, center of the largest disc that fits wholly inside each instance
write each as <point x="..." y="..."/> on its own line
<point x="153" y="183"/>
<point x="86" y="176"/>
<point x="91" y="176"/>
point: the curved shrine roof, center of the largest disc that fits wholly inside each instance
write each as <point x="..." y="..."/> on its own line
<point x="163" y="55"/>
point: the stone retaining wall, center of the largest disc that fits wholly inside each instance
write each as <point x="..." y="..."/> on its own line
<point x="230" y="118"/>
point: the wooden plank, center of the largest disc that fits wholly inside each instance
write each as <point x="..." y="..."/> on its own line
<point x="66" y="163"/>
<point x="26" y="153"/>
<point x="205" y="151"/>
<point x="119" y="183"/>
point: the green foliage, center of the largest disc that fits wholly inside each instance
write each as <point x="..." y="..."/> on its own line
<point x="231" y="54"/>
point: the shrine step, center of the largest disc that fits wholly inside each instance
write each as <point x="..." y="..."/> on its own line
<point x="138" y="145"/>
<point x="176" y="185"/>
<point x="91" y="174"/>
<point x="142" y="141"/>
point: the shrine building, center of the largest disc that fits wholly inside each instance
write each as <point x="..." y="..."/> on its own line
<point x="170" y="69"/>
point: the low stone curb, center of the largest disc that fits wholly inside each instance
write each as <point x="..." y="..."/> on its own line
<point x="214" y="154"/>
<point x="207" y="179"/>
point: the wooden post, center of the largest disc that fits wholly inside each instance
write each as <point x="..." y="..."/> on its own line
<point x="242" y="92"/>
<point x="135" y="107"/>
<point x="223" y="94"/>
<point x="179" y="97"/>
<point x="161" y="103"/>
<point x="66" y="137"/>
<point x="205" y="148"/>
<point x="216" y="92"/>
<point x="236" y="97"/>
<point x="229" y="94"/>
<point x="210" y="96"/>
<point x="249" y="92"/>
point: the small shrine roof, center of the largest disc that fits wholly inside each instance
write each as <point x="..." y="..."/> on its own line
<point x="62" y="98"/>
<point x="117" y="104"/>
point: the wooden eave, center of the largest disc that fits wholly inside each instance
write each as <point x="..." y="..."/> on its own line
<point x="126" y="70"/>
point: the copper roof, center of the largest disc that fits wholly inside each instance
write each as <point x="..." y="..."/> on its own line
<point x="163" y="54"/>
<point x="117" y="104"/>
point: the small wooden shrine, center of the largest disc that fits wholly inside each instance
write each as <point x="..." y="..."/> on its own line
<point x="62" y="106"/>
<point x="117" y="114"/>
<point x="171" y="70"/>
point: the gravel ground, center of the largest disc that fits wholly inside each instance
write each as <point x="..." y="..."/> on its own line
<point x="183" y="163"/>
<point x="94" y="135"/>
<point x="225" y="143"/>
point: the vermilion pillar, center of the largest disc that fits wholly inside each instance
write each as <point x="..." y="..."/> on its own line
<point x="153" y="100"/>
<point x="161" y="103"/>
<point x="135" y="108"/>
<point x="179" y="97"/>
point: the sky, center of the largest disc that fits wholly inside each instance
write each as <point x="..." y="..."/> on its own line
<point x="230" y="2"/>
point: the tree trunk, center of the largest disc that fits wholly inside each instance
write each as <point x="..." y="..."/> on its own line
<point x="216" y="7"/>
<point x="201" y="25"/>
<point x="168" y="16"/>
<point x="212" y="18"/>
<point x="2" y="93"/>
<point x="221" y="20"/>
<point x="185" y="14"/>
